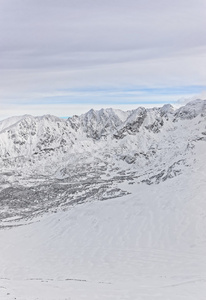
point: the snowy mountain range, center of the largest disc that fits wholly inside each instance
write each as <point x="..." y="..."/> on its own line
<point x="63" y="162"/>
<point x="106" y="205"/>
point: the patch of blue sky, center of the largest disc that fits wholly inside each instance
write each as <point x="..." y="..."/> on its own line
<point x="141" y="90"/>
<point x="95" y="99"/>
<point x="113" y="95"/>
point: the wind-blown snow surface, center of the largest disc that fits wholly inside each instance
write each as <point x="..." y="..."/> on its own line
<point x="59" y="240"/>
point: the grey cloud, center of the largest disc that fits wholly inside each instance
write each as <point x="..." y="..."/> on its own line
<point x="75" y="43"/>
<point x="98" y="25"/>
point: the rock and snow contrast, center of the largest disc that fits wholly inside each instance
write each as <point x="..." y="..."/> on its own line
<point x="106" y="205"/>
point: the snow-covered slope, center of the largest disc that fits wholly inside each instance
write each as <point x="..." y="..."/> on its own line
<point x="58" y="238"/>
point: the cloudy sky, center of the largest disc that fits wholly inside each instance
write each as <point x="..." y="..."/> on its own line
<point x="64" y="57"/>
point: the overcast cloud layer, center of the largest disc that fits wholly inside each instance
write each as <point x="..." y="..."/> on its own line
<point x="66" y="56"/>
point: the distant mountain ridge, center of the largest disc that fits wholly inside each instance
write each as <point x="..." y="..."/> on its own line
<point x="47" y="130"/>
<point x="92" y="152"/>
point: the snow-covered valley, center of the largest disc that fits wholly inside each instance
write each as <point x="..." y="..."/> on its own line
<point x="108" y="205"/>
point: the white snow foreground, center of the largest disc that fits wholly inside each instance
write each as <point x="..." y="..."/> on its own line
<point x="149" y="242"/>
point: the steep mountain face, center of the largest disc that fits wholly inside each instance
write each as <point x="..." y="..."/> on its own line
<point x="97" y="124"/>
<point x="60" y="163"/>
